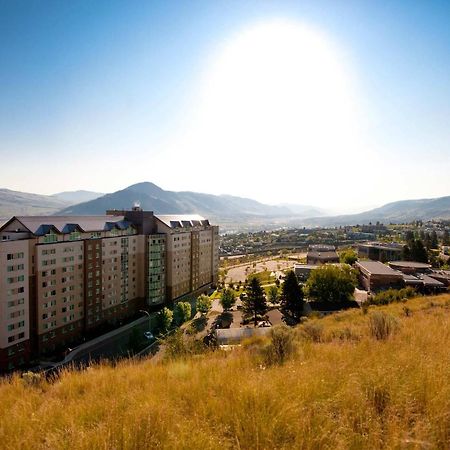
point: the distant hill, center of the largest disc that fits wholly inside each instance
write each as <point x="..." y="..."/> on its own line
<point x="74" y="197"/>
<point x="395" y="212"/>
<point x="14" y="203"/>
<point x="152" y="197"/>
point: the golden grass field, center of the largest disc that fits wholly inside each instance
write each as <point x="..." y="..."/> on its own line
<point x="342" y="389"/>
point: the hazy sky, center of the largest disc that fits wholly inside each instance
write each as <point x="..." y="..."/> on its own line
<point x="337" y="104"/>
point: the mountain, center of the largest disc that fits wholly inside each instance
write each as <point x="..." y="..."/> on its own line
<point x="14" y="203"/>
<point x="152" y="197"/>
<point x="395" y="212"/>
<point x="74" y="197"/>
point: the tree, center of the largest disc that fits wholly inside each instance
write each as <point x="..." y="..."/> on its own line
<point x="409" y="237"/>
<point x="182" y="312"/>
<point x="273" y="295"/>
<point x="331" y="284"/>
<point x="165" y="318"/>
<point x="203" y="304"/>
<point x="292" y="296"/>
<point x="446" y="238"/>
<point x="348" y="256"/>
<point x="418" y="252"/>
<point x="254" y="302"/>
<point x="406" y="253"/>
<point x="227" y="300"/>
<point x="434" y="240"/>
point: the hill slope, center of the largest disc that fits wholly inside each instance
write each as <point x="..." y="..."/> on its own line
<point x="74" y="197"/>
<point x="14" y="203"/>
<point x="346" y="391"/>
<point x="395" y="212"/>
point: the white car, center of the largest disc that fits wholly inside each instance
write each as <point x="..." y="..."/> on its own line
<point x="149" y="335"/>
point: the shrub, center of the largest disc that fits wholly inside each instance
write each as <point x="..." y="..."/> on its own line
<point x="180" y="346"/>
<point x="393" y="295"/>
<point x="312" y="331"/>
<point x="281" y="346"/>
<point x="382" y="325"/>
<point x="203" y="304"/>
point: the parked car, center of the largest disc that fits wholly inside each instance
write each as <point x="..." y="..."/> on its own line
<point x="148" y="335"/>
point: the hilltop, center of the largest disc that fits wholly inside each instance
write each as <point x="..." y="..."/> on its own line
<point x="341" y="388"/>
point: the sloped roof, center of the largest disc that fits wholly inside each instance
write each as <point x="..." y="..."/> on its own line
<point x="39" y="225"/>
<point x="377" y="268"/>
<point x="182" y="220"/>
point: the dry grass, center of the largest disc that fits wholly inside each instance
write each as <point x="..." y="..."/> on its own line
<point x="348" y="391"/>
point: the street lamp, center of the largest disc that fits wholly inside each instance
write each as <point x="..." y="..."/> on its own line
<point x="149" y="319"/>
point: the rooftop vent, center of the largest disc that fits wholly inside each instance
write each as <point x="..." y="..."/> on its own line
<point x="136" y="206"/>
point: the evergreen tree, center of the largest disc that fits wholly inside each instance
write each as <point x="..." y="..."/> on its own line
<point x="409" y="237"/>
<point x="292" y="296"/>
<point x="406" y="255"/>
<point x="434" y="240"/>
<point x="273" y="294"/>
<point x="254" y="303"/>
<point x="419" y="252"/>
<point x="446" y="238"/>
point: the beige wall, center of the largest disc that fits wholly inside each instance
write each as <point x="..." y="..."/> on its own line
<point x="59" y="284"/>
<point x="14" y="292"/>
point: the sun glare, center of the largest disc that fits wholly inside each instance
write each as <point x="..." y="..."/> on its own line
<point x="279" y="90"/>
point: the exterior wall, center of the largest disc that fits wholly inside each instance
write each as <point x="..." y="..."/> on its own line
<point x="59" y="293"/>
<point x="14" y="304"/>
<point x="93" y="286"/>
<point x="373" y="283"/>
<point x="57" y="287"/>
<point x="178" y="264"/>
<point x="375" y="253"/>
<point x="215" y="255"/>
<point x="156" y="269"/>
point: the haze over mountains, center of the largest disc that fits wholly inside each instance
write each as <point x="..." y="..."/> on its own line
<point x="232" y="213"/>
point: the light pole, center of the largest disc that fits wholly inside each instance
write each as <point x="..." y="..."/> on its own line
<point x="149" y="318"/>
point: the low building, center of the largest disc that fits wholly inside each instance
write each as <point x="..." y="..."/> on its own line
<point x="380" y="251"/>
<point x="321" y="254"/>
<point x="410" y="267"/>
<point x="302" y="271"/>
<point x="376" y="276"/>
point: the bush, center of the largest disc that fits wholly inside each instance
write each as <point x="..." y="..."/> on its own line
<point x="180" y="346"/>
<point x="382" y="325"/>
<point x="393" y="295"/>
<point x="203" y="304"/>
<point x="281" y="346"/>
<point x="312" y="331"/>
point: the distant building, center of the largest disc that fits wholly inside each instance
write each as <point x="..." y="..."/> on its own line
<point x="375" y="276"/>
<point x="321" y="254"/>
<point x="61" y="276"/>
<point x="380" y="251"/>
<point x="410" y="267"/>
<point x="302" y="271"/>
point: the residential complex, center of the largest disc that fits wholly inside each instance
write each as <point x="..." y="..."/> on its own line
<point x="63" y="277"/>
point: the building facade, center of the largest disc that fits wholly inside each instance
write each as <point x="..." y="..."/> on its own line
<point x="64" y="277"/>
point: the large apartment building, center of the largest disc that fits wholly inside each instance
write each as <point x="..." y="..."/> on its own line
<point x="63" y="277"/>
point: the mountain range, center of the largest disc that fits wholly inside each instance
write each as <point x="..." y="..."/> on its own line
<point x="231" y="212"/>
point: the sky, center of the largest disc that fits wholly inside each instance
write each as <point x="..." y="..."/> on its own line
<point x="343" y="105"/>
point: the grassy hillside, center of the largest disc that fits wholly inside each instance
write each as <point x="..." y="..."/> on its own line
<point x="341" y="389"/>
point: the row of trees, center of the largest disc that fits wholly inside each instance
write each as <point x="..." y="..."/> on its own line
<point x="325" y="284"/>
<point x="328" y="283"/>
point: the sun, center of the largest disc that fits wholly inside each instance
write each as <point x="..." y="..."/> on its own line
<point x="280" y="90"/>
